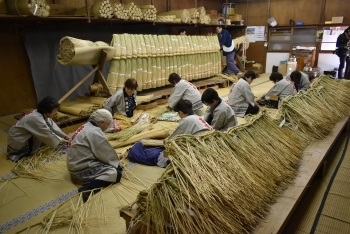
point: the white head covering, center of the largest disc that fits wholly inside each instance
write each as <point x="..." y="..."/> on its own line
<point x="102" y="115"/>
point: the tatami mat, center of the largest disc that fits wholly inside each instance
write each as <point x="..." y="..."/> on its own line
<point x="325" y="209"/>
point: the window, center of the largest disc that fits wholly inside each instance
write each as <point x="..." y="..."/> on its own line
<point x="329" y="37"/>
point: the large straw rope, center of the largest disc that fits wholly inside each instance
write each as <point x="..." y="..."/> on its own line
<point x="82" y="52"/>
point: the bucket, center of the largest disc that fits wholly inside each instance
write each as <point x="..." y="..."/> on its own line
<point x="272" y="22"/>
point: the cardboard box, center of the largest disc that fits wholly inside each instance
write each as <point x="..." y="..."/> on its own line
<point x="337" y="19"/>
<point x="282" y="68"/>
<point x="212" y="12"/>
<point x="235" y="17"/>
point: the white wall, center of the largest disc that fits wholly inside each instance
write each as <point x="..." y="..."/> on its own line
<point x="273" y="59"/>
<point x="327" y="62"/>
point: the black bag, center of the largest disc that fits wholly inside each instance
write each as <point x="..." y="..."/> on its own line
<point x="274" y="68"/>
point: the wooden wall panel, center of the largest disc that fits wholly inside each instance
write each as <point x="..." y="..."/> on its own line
<point x="338" y="8"/>
<point x="16" y="81"/>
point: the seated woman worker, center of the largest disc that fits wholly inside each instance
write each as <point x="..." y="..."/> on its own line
<point x="91" y="160"/>
<point x="280" y="90"/>
<point x="35" y="129"/>
<point x="218" y="114"/>
<point x="190" y="123"/>
<point x="300" y="80"/>
<point x="186" y="91"/>
<point x="123" y="102"/>
<point x="241" y="97"/>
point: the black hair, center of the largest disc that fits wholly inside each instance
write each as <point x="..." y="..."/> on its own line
<point x="47" y="105"/>
<point x="276" y="76"/>
<point x="181" y="30"/>
<point x="131" y="83"/>
<point x="251" y="74"/>
<point x="185" y="106"/>
<point x="295" y="76"/>
<point x="210" y="95"/>
<point x="174" y="78"/>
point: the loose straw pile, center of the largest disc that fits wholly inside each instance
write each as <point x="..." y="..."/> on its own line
<point x="28" y="7"/>
<point x="313" y="113"/>
<point x="35" y="166"/>
<point x="82" y="52"/>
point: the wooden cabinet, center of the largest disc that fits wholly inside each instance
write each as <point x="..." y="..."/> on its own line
<point x="304" y="57"/>
<point x="288" y="38"/>
<point x="299" y="41"/>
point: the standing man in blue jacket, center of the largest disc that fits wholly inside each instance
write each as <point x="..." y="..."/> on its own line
<point x="228" y="49"/>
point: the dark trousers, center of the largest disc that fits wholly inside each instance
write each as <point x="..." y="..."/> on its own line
<point x="344" y="61"/>
<point x="252" y="110"/>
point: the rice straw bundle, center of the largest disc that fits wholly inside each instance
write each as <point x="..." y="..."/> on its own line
<point x="77" y="108"/>
<point x="36" y="166"/>
<point x="120" y="12"/>
<point x="242" y="40"/>
<point x="28" y="7"/>
<point x="92" y="100"/>
<point x="147" y="133"/>
<point x="183" y="14"/>
<point x="159" y="58"/>
<point x="128" y="132"/>
<point x="100" y="9"/>
<point x="60" y="117"/>
<point x="152" y="142"/>
<point x="149" y="12"/>
<point x="165" y="18"/>
<point x="134" y="12"/>
<point x="82" y="52"/>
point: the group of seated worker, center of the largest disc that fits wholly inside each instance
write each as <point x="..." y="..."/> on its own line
<point x="93" y="163"/>
<point x="293" y="83"/>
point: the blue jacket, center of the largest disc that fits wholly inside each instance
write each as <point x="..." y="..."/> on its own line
<point x="225" y="40"/>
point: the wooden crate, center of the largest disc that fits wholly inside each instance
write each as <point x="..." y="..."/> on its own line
<point x="127" y="214"/>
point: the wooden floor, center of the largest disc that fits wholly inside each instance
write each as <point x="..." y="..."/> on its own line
<point x="25" y="202"/>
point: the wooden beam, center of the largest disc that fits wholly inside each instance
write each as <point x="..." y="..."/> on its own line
<point x="77" y="85"/>
<point x="87" y="10"/>
<point x="101" y="63"/>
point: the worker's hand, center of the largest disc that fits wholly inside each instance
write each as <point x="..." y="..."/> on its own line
<point x="64" y="141"/>
<point x="120" y="156"/>
<point x="165" y="140"/>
